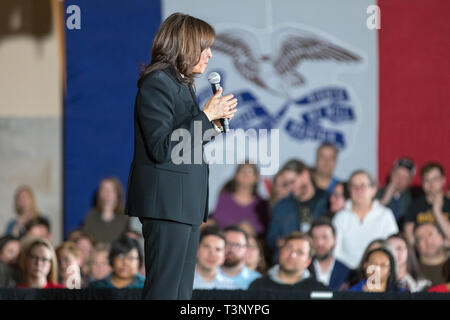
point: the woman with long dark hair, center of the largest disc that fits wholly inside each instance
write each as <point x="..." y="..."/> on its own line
<point x="380" y="273"/>
<point x="168" y="180"/>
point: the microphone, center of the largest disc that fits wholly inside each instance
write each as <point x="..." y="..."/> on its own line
<point x="214" y="80"/>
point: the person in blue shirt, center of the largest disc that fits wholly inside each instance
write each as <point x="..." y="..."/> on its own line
<point x="380" y="273"/>
<point x="296" y="211"/>
<point x="126" y="259"/>
<point x="234" y="268"/>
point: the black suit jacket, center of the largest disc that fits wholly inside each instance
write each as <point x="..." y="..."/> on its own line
<point x="157" y="187"/>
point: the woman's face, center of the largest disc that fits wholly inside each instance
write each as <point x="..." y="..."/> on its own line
<point x="337" y="198"/>
<point x="361" y="191"/>
<point x="24" y="200"/>
<point x="200" y="67"/>
<point x="66" y="259"/>
<point x="10" y="252"/>
<point x="253" y="254"/>
<point x="400" y="249"/>
<point x="38" y="263"/>
<point x="108" y="193"/>
<point x="378" y="261"/>
<point x="126" y="266"/>
<point x="246" y="176"/>
<point x="100" y="267"/>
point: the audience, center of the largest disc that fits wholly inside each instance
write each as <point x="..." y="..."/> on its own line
<point x="107" y="221"/>
<point x="362" y="220"/>
<point x="430" y="248"/>
<point x="291" y="273"/>
<point x="380" y="273"/>
<point x="409" y="275"/>
<point x="326" y="158"/>
<point x="26" y="210"/>
<point x="296" y="212"/>
<point x="125" y="258"/>
<point x="98" y="262"/>
<point x="239" y="201"/>
<point x="210" y="256"/>
<point x="236" y="249"/>
<point x="38" y="264"/>
<point x="325" y="267"/>
<point x="396" y="194"/>
<point x="434" y="206"/>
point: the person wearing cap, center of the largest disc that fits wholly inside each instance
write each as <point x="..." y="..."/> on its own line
<point x="396" y="194"/>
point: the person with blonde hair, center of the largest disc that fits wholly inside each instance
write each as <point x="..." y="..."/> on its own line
<point x="38" y="264"/>
<point x="26" y="210"/>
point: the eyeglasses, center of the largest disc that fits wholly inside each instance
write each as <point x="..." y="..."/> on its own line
<point x="233" y="245"/>
<point x="37" y="259"/>
<point x="130" y="258"/>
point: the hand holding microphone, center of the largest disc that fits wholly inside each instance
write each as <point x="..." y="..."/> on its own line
<point x="218" y="107"/>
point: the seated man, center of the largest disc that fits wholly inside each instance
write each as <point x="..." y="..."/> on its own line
<point x="210" y="256"/>
<point x="234" y="268"/>
<point x="292" y="271"/>
<point x="325" y="267"/>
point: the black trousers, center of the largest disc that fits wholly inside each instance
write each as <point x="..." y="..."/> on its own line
<point x="170" y="258"/>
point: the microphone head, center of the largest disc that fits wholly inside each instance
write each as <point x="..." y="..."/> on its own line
<point x="214" y="78"/>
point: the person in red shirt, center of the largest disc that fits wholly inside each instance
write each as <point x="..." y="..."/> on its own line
<point x="37" y="261"/>
<point x="445" y="287"/>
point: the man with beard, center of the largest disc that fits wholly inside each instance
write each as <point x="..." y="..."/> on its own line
<point x="325" y="267"/>
<point x="291" y="274"/>
<point x="234" y="268"/>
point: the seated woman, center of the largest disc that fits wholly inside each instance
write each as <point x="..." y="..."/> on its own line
<point x="125" y="258"/>
<point x="380" y="273"/>
<point x="37" y="261"/>
<point x="107" y="221"/>
<point x="26" y="210"/>
<point x="239" y="201"/>
<point x="409" y="275"/>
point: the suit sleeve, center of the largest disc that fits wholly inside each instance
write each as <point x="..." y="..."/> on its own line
<point x="156" y="111"/>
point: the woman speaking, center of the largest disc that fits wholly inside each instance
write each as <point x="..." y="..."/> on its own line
<point x="171" y="198"/>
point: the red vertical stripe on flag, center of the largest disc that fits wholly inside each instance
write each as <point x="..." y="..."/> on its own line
<point x="414" y="83"/>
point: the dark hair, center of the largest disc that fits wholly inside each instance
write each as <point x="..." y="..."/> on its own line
<point x="446" y="270"/>
<point x="438" y="229"/>
<point x="412" y="265"/>
<point x="178" y="43"/>
<point x="391" y="284"/>
<point x="124" y="245"/>
<point x="322" y="221"/>
<point x="298" y="235"/>
<point x="427" y="167"/>
<point x="118" y="188"/>
<point x="231" y="185"/>
<point x="211" y="231"/>
<point x="294" y="165"/>
<point x="5" y="239"/>
<point x="236" y="229"/>
<point x="39" y="221"/>
<point x="372" y="181"/>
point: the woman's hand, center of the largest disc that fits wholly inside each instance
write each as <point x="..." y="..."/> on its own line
<point x="218" y="107"/>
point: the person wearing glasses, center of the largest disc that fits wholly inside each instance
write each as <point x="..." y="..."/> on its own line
<point x="362" y="220"/>
<point x="39" y="266"/>
<point x="125" y="258"/>
<point x="234" y="267"/>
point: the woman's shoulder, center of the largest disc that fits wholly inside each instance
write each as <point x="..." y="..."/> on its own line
<point x="160" y="77"/>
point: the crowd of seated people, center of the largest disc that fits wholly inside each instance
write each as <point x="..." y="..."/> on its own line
<point x="315" y="232"/>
